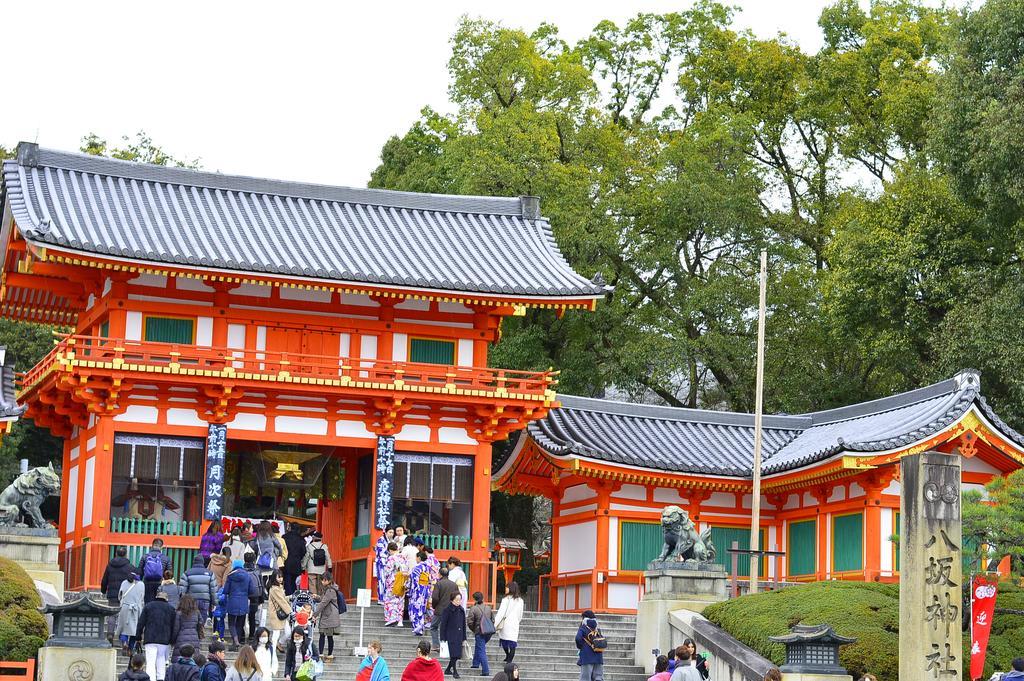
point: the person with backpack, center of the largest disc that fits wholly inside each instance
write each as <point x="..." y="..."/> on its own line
<point x="328" y="613"/>
<point x="267" y="547"/>
<point x="296" y="546"/>
<point x="480" y="620"/>
<point x="317" y="561"/>
<point x="246" y="667"/>
<point x="238" y="589"/>
<point x="184" y="668"/>
<point x="152" y="568"/>
<point x="214" y="669"/>
<point x="199" y="583"/>
<point x="591" y="644"/>
<point x="255" y="601"/>
<point x="236" y="545"/>
<point x="156" y="631"/>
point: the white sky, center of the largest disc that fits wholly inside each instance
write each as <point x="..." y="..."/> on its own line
<point x="308" y="94"/>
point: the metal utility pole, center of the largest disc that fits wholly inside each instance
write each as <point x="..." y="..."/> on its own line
<point x="755" y="502"/>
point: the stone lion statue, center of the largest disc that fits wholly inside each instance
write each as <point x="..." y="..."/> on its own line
<point x="682" y="541"/>
<point x="19" y="503"/>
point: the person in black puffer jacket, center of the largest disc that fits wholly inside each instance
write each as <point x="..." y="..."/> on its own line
<point x="116" y="572"/>
<point x="296" y="546"/>
<point x="199" y="583"/>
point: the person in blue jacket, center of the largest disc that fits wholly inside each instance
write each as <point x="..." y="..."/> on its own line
<point x="591" y="661"/>
<point x="373" y="666"/>
<point x="238" y="589"/>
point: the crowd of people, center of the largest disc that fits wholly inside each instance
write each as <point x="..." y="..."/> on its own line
<point x="265" y="595"/>
<point x="414" y="586"/>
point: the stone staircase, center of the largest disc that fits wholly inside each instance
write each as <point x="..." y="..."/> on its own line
<point x="547" y="651"/>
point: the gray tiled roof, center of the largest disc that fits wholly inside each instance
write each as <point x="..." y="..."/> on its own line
<point x="9" y="408"/>
<point x="722" y="443"/>
<point x="175" y="216"/>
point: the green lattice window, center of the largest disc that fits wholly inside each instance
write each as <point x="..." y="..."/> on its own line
<point x="432" y="351"/>
<point x="169" y="330"/>
<point x="803" y="547"/>
<point x="896" y="531"/>
<point x="723" y="537"/>
<point x="848" y="542"/>
<point x="639" y="544"/>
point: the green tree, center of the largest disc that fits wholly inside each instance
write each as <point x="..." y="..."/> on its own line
<point x="141" y="149"/>
<point x="995" y="526"/>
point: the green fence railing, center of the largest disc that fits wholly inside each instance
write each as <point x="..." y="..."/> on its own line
<point x="445" y="542"/>
<point x="173" y="528"/>
<point x="181" y="559"/>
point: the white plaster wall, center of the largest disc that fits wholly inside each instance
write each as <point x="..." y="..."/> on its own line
<point x="72" y="491"/>
<point x="204" y="331"/>
<point x="253" y="290"/>
<point x="300" y="425"/>
<point x="453" y="308"/>
<point x="454" y="436"/>
<point x="73" y="453"/>
<point x="669" y="495"/>
<point x="585" y="596"/>
<point x="358" y="299"/>
<point x="613" y="543"/>
<point x="464" y="356"/>
<point x="412" y="433"/>
<point x="352" y="429"/>
<point x="838" y="494"/>
<point x="107" y="284"/>
<point x="588" y="508"/>
<point x="413" y="304"/>
<point x="856" y="490"/>
<point x="184" y="417"/>
<point x="576" y="545"/>
<point x="400" y="347"/>
<point x="976" y="465"/>
<point x="577" y="493"/>
<point x="133" y="325"/>
<point x="344" y="345"/>
<point x="368" y="347"/>
<point x="309" y="295"/>
<point x="249" y="421"/>
<point x="888" y="519"/>
<point x="893" y="488"/>
<point x="630" y="507"/>
<point x="90" y="484"/>
<point x="625" y="596"/>
<point x="809" y="499"/>
<point x="632" y="492"/>
<point x="721" y="499"/>
<point x="236" y="336"/>
<point x="192" y="284"/>
<point x="137" y="413"/>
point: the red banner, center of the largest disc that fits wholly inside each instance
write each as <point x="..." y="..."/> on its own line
<point x="983" y="605"/>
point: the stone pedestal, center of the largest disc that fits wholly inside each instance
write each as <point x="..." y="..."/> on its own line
<point x="36" y="550"/>
<point x="673" y="586"/>
<point x="60" y="663"/>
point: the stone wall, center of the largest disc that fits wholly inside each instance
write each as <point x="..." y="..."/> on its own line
<point x="730" y="660"/>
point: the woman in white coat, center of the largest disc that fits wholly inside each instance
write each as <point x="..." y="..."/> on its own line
<point x="506" y="622"/>
<point x="132" y="596"/>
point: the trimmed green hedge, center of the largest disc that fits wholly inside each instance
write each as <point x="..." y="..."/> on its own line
<point x="868" y="612"/>
<point x="22" y="627"/>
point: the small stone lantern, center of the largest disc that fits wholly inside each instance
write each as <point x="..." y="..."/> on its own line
<point x="813" y="651"/>
<point x="80" y="624"/>
<point x="508" y="554"/>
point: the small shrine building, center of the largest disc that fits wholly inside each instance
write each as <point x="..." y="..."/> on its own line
<point x="242" y="346"/>
<point x="830" y="483"/>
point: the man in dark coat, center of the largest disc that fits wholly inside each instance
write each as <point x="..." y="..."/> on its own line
<point x="152" y="568"/>
<point x="156" y="631"/>
<point x="200" y="584"/>
<point x="215" y="669"/>
<point x="296" y="546"/>
<point x="440" y="597"/>
<point x="116" y="572"/>
<point x="184" y="668"/>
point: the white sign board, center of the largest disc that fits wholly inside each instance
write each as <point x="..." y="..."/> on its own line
<point x="363" y="598"/>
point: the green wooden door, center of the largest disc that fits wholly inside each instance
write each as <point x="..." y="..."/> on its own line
<point x="803" y="547"/>
<point x="896" y="531"/>
<point x="723" y="537"/>
<point x="432" y="351"/>
<point x="848" y="542"/>
<point x="169" y="330"/>
<point x="358" y="576"/>
<point x="639" y="544"/>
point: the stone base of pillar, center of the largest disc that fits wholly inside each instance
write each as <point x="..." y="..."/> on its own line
<point x="672" y="587"/>
<point x="60" y="663"/>
<point x="36" y="550"/>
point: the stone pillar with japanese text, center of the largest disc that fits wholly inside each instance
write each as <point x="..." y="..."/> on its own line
<point x="931" y="568"/>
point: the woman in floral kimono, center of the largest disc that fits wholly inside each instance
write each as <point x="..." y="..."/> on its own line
<point x="435" y="575"/>
<point x="380" y="552"/>
<point x="393" y="603"/>
<point x="419" y="593"/>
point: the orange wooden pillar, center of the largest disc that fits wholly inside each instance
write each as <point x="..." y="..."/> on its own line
<point x="480" y="572"/>
<point x="872" y="530"/>
<point x="824" y="566"/>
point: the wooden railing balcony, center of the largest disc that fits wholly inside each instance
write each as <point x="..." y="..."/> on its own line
<point x="120" y="356"/>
